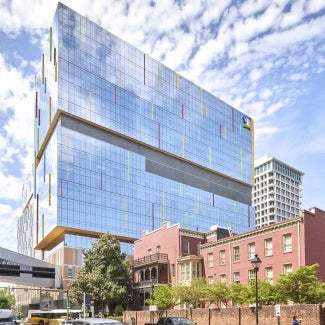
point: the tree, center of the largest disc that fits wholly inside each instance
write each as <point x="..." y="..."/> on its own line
<point x="105" y="274"/>
<point x="163" y="297"/>
<point x="301" y="286"/>
<point x="7" y="299"/>
<point x="217" y="293"/>
<point x="238" y="293"/>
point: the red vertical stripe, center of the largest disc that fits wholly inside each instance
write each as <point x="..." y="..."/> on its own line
<point x="220" y="130"/>
<point x="39" y="117"/>
<point x="153" y="215"/>
<point x="54" y="56"/>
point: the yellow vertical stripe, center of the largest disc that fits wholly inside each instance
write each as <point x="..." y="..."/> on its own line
<point x="186" y="218"/>
<point x="197" y="207"/>
<point x="162" y="206"/>
<point x="180" y="189"/>
<point x="124" y="211"/>
<point x="43" y="226"/>
<point x="234" y="206"/>
<point x="206" y="110"/>
<point x="49" y="191"/>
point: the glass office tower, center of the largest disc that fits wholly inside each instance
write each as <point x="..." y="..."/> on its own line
<point x="123" y="143"/>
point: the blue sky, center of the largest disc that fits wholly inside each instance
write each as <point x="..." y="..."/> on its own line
<point x="266" y="58"/>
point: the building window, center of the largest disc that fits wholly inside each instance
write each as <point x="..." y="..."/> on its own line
<point x="269" y="274"/>
<point x="236" y="277"/>
<point x="222" y="257"/>
<point x="69" y="272"/>
<point x="185" y="272"/>
<point x="210" y="279"/>
<point x="251" y="274"/>
<point x="268" y="247"/>
<point x="251" y="250"/>
<point x="287" y="268"/>
<point x="158" y="249"/>
<point x="236" y="254"/>
<point x="287" y="243"/>
<point x="223" y="278"/>
<point x="173" y="268"/>
<point x="210" y="259"/>
<point x="186" y="247"/>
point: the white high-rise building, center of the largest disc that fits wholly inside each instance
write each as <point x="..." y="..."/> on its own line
<point x="277" y="191"/>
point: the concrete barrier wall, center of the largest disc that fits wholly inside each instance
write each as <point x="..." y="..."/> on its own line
<point x="309" y="315"/>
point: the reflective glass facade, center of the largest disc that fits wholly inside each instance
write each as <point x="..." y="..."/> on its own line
<point x="123" y="143"/>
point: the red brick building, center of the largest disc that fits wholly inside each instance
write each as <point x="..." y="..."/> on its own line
<point x="174" y="255"/>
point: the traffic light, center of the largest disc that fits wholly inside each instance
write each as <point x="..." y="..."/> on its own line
<point x="43" y="272"/>
<point x="9" y="270"/>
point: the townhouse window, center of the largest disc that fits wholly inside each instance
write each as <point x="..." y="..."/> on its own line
<point x="287" y="243"/>
<point x="269" y="274"/>
<point x="186" y="247"/>
<point x="158" y="249"/>
<point x="268" y="247"/>
<point x="236" y="276"/>
<point x="69" y="270"/>
<point x="223" y="278"/>
<point x="222" y="257"/>
<point x="251" y="250"/>
<point x="236" y="254"/>
<point x="210" y="279"/>
<point x="287" y="268"/>
<point x="210" y="259"/>
<point x="251" y="274"/>
<point x="173" y="269"/>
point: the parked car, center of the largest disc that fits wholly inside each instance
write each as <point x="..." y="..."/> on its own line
<point x="96" y="321"/>
<point x="172" y="320"/>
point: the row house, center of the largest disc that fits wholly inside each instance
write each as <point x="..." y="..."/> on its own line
<point x="174" y="255"/>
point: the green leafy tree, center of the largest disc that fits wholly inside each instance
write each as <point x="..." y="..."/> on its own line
<point x="238" y="293"/>
<point x="7" y="299"/>
<point x="105" y="274"/>
<point x="163" y="297"/>
<point x="217" y="293"/>
<point x="301" y="286"/>
<point x="191" y="294"/>
<point x="267" y="294"/>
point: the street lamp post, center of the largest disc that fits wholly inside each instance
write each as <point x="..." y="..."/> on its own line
<point x="256" y="262"/>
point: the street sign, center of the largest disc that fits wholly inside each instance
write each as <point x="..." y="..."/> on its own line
<point x="277" y="310"/>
